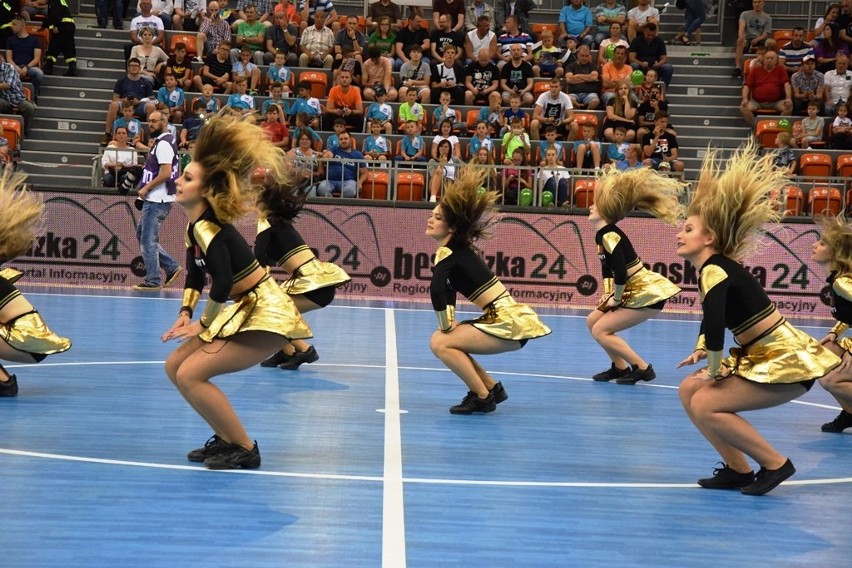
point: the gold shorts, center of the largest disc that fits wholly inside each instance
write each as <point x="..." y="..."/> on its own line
<point x="507" y="319"/>
<point x="29" y="333"/>
<point x="314" y="275"/>
<point x="646" y="288"/>
<point x="785" y="355"/>
<point x="263" y="308"/>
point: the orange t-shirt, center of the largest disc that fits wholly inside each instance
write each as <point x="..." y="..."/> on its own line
<point x="610" y="73"/>
<point x="350" y="99"/>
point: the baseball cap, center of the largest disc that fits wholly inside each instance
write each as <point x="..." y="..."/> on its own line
<point x="808" y="57"/>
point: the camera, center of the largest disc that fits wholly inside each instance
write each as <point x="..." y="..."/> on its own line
<point x="130" y="179"/>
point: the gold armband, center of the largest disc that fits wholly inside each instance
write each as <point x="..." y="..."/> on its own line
<point x="190" y="300"/>
<point x="714" y="363"/>
<point x="11" y="275"/>
<point x="607" y="286"/>
<point x="839" y="329"/>
<point x="701" y="344"/>
<point x="618" y="292"/>
<point x="211" y="310"/>
<point x="446" y="317"/>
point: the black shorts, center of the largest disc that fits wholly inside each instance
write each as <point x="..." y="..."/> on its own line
<point x="321" y="297"/>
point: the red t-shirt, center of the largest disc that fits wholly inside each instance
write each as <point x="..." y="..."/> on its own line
<point x="767" y="86"/>
<point x="276" y="131"/>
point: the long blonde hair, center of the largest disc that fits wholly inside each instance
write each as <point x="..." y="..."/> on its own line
<point x="837" y="236"/>
<point x="469" y="212"/>
<point x="20" y="215"/>
<point x="734" y="203"/>
<point x="229" y="150"/>
<point x="618" y="193"/>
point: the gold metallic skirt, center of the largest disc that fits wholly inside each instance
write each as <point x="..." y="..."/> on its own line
<point x="507" y="319"/>
<point x="646" y="288"/>
<point x="314" y="275"/>
<point x="784" y="355"/>
<point x="29" y="333"/>
<point x="263" y="308"/>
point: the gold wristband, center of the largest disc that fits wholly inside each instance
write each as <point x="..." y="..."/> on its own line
<point x="701" y="344"/>
<point x="190" y="298"/>
<point x="607" y="286"/>
<point x="446" y="317"/>
<point x="714" y="363"/>
<point x="839" y="328"/>
<point x="618" y="292"/>
<point x="211" y="310"/>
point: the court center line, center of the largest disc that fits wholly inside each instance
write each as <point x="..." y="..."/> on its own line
<point x="393" y="508"/>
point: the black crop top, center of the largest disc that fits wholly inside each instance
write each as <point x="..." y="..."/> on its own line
<point x="731" y="298"/>
<point x="219" y="250"/>
<point x="458" y="269"/>
<point x="8" y="292"/>
<point x="616" y="253"/>
<point x="276" y="244"/>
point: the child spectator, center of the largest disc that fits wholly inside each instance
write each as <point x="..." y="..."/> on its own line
<point x="381" y="111"/>
<point x="211" y="103"/>
<point x="620" y="112"/>
<point x="276" y="97"/>
<point x="376" y="146"/>
<point x="647" y="111"/>
<point x="192" y="124"/>
<point x="445" y="132"/>
<point x="515" y="178"/>
<point x="445" y="167"/>
<point x="480" y="139"/>
<point x="841" y="129"/>
<point x="412" y="111"/>
<point x="643" y="91"/>
<point x="274" y="129"/>
<point x="492" y="115"/>
<point x="378" y="74"/>
<point x="240" y="99"/>
<point x="216" y="70"/>
<point x="555" y="178"/>
<point x="415" y="75"/>
<point x="547" y="57"/>
<point x="514" y="111"/>
<point x="515" y="138"/>
<point x="171" y="96"/>
<point x="244" y="67"/>
<point x="588" y="150"/>
<point x="618" y="148"/>
<point x="303" y="124"/>
<point x="279" y="73"/>
<point x="785" y="158"/>
<point x="550" y="133"/>
<point x="307" y="104"/>
<point x="412" y="145"/>
<point x="812" y="127"/>
<point x="180" y="65"/>
<point x="135" y="132"/>
<point x="443" y="112"/>
<point x="333" y="141"/>
<point x="660" y="146"/>
<point x="482" y="158"/>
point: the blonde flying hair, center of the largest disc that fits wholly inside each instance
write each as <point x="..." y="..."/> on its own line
<point x="468" y="211"/>
<point x="734" y="203"/>
<point x="618" y="193"/>
<point x="837" y="236"/>
<point x="229" y="150"/>
<point x="20" y="214"/>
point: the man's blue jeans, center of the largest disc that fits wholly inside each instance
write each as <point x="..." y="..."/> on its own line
<point x="148" y="232"/>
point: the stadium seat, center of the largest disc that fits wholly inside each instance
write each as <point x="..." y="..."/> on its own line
<point x="765" y="132"/>
<point x="584" y="193"/>
<point x="825" y="201"/>
<point x="538" y="28"/>
<point x="409" y="186"/>
<point x="43" y="35"/>
<point x="540" y="87"/>
<point x="187" y="39"/>
<point x="13" y="129"/>
<point x="582" y="118"/>
<point x="844" y="167"/>
<point x="794" y="201"/>
<point x="470" y="120"/>
<point x="318" y="81"/>
<point x="813" y="166"/>
<point x="375" y="185"/>
<point x="782" y="37"/>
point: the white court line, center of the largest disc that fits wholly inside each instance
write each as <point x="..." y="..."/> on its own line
<point x="393" y="509"/>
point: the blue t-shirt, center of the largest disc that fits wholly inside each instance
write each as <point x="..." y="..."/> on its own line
<point x="192" y="124"/>
<point x="410" y="146"/>
<point x="310" y="106"/>
<point x="171" y="100"/>
<point x="212" y="105"/>
<point x="575" y="20"/>
<point x="280" y="75"/>
<point x="344" y="170"/>
<point x="332" y="142"/>
<point x="134" y="127"/>
<point x="382" y="112"/>
<point x="242" y="102"/>
<point x="294" y="134"/>
<point x="476" y="144"/>
<point x="615" y="152"/>
<point x="380" y="145"/>
<point x="510" y="114"/>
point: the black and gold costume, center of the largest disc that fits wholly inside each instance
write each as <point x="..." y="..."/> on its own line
<point x="27" y="332"/>
<point x="314" y="279"/>
<point x="459" y="269"/>
<point x="219" y="250"/>
<point x="841" y="307"/>
<point x="644" y="289"/>
<point x="731" y="298"/>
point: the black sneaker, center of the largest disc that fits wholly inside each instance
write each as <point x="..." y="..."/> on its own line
<point x="145" y="287"/>
<point x="10" y="387"/>
<point x="170" y="278"/>
<point x="235" y="457"/>
<point x="839" y="424"/>
<point x="214" y="446"/>
<point x="726" y="478"/>
<point x="472" y="403"/>
<point x="275" y="360"/>
<point x="612" y="373"/>
<point x="309" y="355"/>
<point x="499" y="393"/>
<point x="737" y="72"/>
<point x="636" y="374"/>
<point x="768" y="479"/>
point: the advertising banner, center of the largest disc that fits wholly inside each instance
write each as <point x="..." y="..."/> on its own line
<point x="543" y="258"/>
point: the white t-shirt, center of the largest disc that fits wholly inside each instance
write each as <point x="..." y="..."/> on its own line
<point x="453" y="141"/>
<point x="642" y="16"/>
<point x="546" y="173"/>
<point x="554" y="108"/>
<point x="140" y="22"/>
<point x="165" y="154"/>
<point x="479" y="44"/>
<point x="112" y="155"/>
<point x="838" y="86"/>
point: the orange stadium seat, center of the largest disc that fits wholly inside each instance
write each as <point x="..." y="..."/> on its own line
<point x="540" y="87"/>
<point x="794" y="201"/>
<point x="470" y="120"/>
<point x="584" y="193"/>
<point x="187" y="39"/>
<point x="844" y="167"/>
<point x="318" y="81"/>
<point x="813" y="166"/>
<point x="375" y="185"/>
<point x="826" y="201"/>
<point x="42" y="34"/>
<point x="538" y="28"/>
<point x="582" y="118"/>
<point x="765" y="132"/>
<point x="13" y="132"/>
<point x="409" y="186"/>
<point x="782" y="37"/>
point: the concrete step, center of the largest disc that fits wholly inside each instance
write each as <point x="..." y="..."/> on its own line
<point x="76" y="137"/>
<point x="700" y="132"/>
<point x="37" y="180"/>
<point x="49" y="127"/>
<point x="676" y="90"/>
<point x="65" y="114"/>
<point x="86" y="143"/>
<point x="677" y="109"/>
<point x="83" y="103"/>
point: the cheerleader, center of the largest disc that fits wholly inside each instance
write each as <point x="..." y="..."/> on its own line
<point x="24" y="337"/>
<point x="215" y="189"/>
<point x="774" y="362"/>
<point x="834" y="252"/>
<point x="626" y="283"/>
<point x="312" y="283"/>
<point x="464" y="216"/>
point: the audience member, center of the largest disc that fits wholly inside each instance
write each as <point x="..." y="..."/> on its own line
<point x="412" y="146"/>
<point x="479" y="38"/>
<point x="162" y="9"/>
<point x="23" y="52"/>
<point x="384" y="37"/>
<point x="480" y="139"/>
<point x="554" y="179"/>
<point x="317" y="44"/>
<point x="515" y="138"/>
<point x="812" y="128"/>
<point x="380" y="9"/>
<point x="755" y="26"/>
<point x="349" y="63"/>
<point x="575" y="25"/>
<point x="838" y="84"/>
<point x="660" y="146"/>
<point x="587" y="150"/>
<point x="443" y="112"/>
<point x="153" y="58"/>
<point x="841" y="129"/>
<point x="648" y="51"/>
<point x="212" y="32"/>
<point x="605" y="52"/>
<point x="216" y="70"/>
<point x="513" y="36"/>
<point x="448" y="75"/>
<point x="188" y="15"/>
<point x="407" y="38"/>
<point x="249" y="33"/>
<point x="171" y="97"/>
<point x="547" y="58"/>
<point x="582" y="79"/>
<point x="785" y="157"/>
<point x="554" y="108"/>
<point x="828" y="47"/>
<point x="117" y="159"/>
<point x="12" y="99"/>
<point x="481" y="79"/>
<point x="211" y="103"/>
<point x="193" y="124"/>
<point x="308" y="10"/>
<point x="415" y="76"/>
<point x="344" y="101"/>
<point x="306" y="104"/>
<point x="613" y="73"/>
<point x="620" y="112"/>
<point x="342" y="177"/>
<point x="380" y="111"/>
<point x="135" y="131"/>
<point x="350" y="37"/>
<point x="766" y="87"/>
<point x="283" y="36"/>
<point x="180" y="65"/>
<point x="445" y="132"/>
<point x="475" y="10"/>
<point x="146" y="19"/>
<point x="453" y="8"/>
<point x="376" y="146"/>
<point x="274" y="128"/>
<point x="519" y="8"/>
<point x="378" y="73"/>
<point x="133" y="90"/>
<point x="445" y="35"/>
<point x="444" y="167"/>
<point x="639" y="16"/>
<point x="510" y="114"/>
<point x="517" y="77"/>
<point x="808" y="85"/>
<point x="102" y="15"/>
<point x="492" y="115"/>
<point x="608" y="12"/>
<point x="244" y="67"/>
<point x="794" y="52"/>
